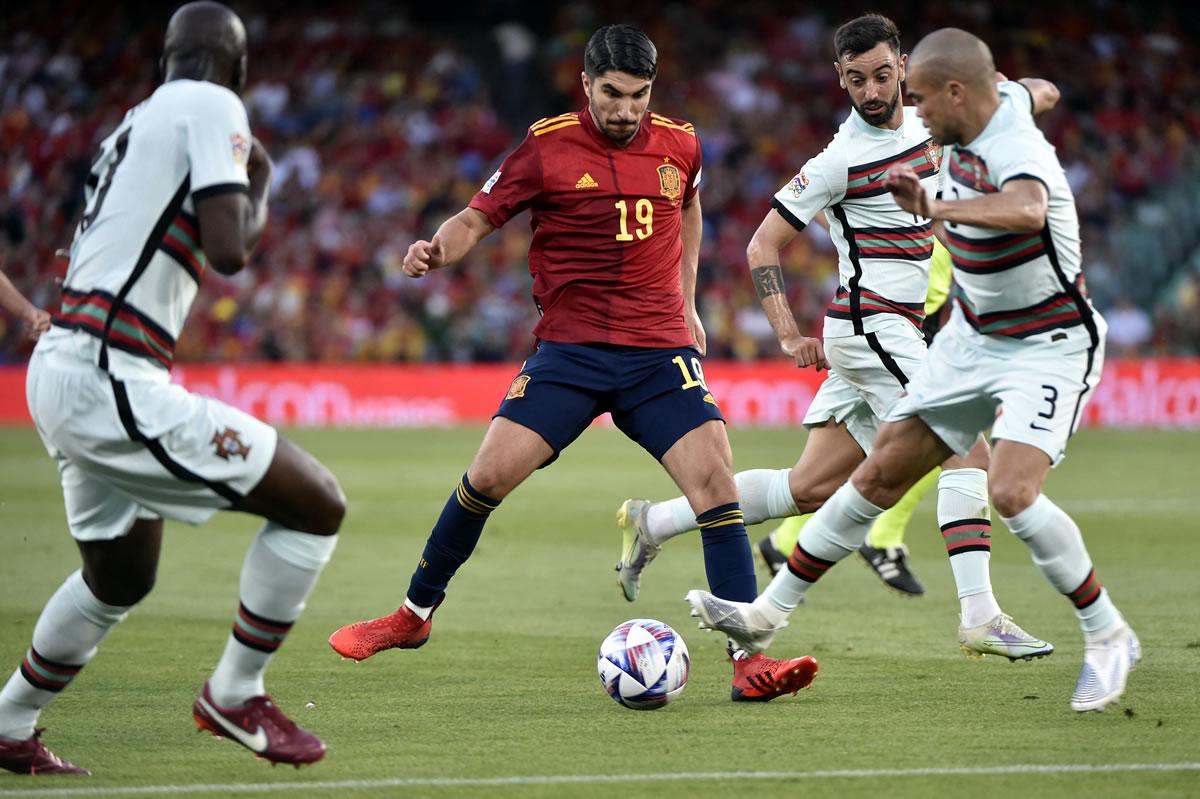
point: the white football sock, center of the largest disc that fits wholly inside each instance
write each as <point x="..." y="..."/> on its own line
<point x="835" y="531"/>
<point x="1057" y="548"/>
<point x="71" y="627"/>
<point x="765" y="494"/>
<point x="762" y="494"/>
<point x="280" y="570"/>
<point x="420" y="610"/>
<point x="665" y="520"/>
<point x="963" y="507"/>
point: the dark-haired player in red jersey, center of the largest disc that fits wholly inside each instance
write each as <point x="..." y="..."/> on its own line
<point x="613" y="191"/>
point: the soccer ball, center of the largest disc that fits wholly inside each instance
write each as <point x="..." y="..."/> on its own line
<point x="643" y="664"/>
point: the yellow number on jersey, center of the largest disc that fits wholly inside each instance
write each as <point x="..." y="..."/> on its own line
<point x="643" y="211"/>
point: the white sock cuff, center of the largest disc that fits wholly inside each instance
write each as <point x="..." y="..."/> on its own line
<point x="856" y="506"/>
<point x="1026" y="523"/>
<point x="780" y="501"/>
<point x="95" y="611"/>
<point x="304" y="550"/>
<point x="967" y="481"/>
<point x="765" y="494"/>
<point x="683" y="519"/>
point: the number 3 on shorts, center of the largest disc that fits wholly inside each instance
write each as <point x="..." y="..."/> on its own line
<point x="1051" y="400"/>
<point x="688" y="380"/>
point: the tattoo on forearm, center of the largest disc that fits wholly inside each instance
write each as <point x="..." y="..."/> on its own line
<point x="768" y="280"/>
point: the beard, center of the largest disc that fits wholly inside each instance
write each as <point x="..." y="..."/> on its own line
<point x="621" y="134"/>
<point x="880" y="114"/>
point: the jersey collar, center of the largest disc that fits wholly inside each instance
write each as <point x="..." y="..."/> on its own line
<point x="863" y="126"/>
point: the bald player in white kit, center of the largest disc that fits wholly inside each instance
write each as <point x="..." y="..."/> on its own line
<point x="1024" y="340"/>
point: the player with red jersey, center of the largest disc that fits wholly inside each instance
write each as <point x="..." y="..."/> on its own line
<point x="613" y="192"/>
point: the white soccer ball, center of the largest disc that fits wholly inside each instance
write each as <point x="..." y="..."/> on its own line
<point x="643" y="664"/>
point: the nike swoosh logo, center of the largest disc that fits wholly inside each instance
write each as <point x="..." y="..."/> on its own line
<point x="1036" y="426"/>
<point x="875" y="177"/>
<point x="255" y="743"/>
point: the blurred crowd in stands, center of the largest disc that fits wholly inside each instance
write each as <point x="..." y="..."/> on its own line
<point x="384" y="119"/>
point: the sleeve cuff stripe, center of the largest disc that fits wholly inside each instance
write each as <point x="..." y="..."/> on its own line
<point x="1032" y="104"/>
<point x="219" y="188"/>
<point x="1027" y="176"/>
<point x="786" y="214"/>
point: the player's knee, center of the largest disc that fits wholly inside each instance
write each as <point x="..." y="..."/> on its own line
<point x="877" y="485"/>
<point x="490" y="480"/>
<point x="716" y="485"/>
<point x="1011" y="495"/>
<point x="331" y="504"/>
<point x="120" y="590"/>
<point x="809" y="497"/>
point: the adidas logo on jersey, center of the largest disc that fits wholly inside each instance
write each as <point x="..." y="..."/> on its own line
<point x="586" y="182"/>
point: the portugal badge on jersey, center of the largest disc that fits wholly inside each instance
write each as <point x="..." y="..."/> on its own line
<point x="933" y="152"/>
<point x="669" y="182"/>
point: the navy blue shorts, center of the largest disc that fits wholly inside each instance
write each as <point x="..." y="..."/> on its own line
<point x="655" y="396"/>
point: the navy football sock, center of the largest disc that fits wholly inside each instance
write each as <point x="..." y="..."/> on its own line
<point x="450" y="544"/>
<point x="728" y="562"/>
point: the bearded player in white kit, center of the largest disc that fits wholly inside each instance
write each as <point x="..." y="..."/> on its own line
<point x="1024" y="340"/>
<point x="179" y="185"/>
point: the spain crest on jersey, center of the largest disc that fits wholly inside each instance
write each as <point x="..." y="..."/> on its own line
<point x="669" y="182"/>
<point x="933" y="152"/>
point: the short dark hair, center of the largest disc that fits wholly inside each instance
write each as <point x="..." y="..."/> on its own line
<point x="862" y="34"/>
<point x="620" y="48"/>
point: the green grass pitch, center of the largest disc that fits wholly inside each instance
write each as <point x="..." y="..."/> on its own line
<point x="506" y="695"/>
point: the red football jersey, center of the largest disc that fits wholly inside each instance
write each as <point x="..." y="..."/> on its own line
<point x="606" y="226"/>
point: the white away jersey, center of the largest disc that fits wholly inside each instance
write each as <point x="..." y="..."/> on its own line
<point x="136" y="261"/>
<point x="1018" y="285"/>
<point x="883" y="252"/>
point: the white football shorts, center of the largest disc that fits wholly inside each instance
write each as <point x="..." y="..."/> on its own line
<point x="1038" y="390"/>
<point x="140" y="449"/>
<point x="866" y="376"/>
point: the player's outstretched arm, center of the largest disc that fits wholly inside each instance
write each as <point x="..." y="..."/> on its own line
<point x="763" y="255"/>
<point x="231" y="223"/>
<point x="1020" y="206"/>
<point x="36" y="320"/>
<point x="457" y="236"/>
<point x="1045" y="94"/>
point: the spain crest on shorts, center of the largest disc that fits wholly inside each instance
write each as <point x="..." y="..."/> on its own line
<point x="669" y="182"/>
<point x="517" y="389"/>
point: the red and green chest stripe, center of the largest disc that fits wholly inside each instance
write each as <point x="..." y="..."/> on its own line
<point x="866" y="180"/>
<point x="131" y="330"/>
<point x="970" y="171"/>
<point x="1056" y="311"/>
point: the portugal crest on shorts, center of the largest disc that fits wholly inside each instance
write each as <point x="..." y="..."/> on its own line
<point x="517" y="389"/>
<point x="228" y="443"/>
<point x="669" y="182"/>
